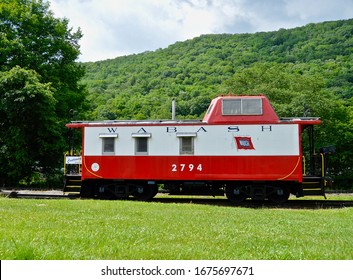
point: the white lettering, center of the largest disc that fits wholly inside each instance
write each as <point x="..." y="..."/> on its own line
<point x="174" y="167"/>
<point x="183" y="167"/>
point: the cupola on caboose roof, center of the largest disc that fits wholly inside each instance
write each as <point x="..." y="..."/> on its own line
<point x="246" y="110"/>
<point x="240" y="109"/>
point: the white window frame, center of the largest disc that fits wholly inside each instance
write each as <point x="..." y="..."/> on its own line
<point x="104" y="137"/>
<point x="138" y="137"/>
<point x="182" y="136"/>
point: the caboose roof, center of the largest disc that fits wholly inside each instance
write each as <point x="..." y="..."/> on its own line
<point x="222" y="110"/>
<point x="77" y="124"/>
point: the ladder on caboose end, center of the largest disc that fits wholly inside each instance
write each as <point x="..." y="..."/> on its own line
<point x="72" y="174"/>
<point x="315" y="183"/>
<point x="314" y="179"/>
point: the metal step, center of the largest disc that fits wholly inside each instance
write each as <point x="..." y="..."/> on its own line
<point x="72" y="189"/>
<point x="72" y="184"/>
<point x="313" y="185"/>
<point x="311" y="182"/>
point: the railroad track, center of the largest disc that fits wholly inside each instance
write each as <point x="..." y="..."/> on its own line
<point x="290" y="204"/>
<point x="38" y="195"/>
<point x="219" y="201"/>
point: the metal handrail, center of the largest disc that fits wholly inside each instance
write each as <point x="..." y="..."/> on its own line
<point x="322" y="158"/>
<point x="322" y="165"/>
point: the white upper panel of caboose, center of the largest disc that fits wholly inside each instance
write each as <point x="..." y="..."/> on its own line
<point x="198" y="139"/>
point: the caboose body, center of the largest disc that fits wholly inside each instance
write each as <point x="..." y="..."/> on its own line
<point x="240" y="148"/>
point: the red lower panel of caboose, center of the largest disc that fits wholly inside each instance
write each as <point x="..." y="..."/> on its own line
<point x="193" y="167"/>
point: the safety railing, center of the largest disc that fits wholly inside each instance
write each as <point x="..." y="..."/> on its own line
<point x="317" y="165"/>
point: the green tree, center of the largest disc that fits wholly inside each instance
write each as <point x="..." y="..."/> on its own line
<point x="30" y="138"/>
<point x="30" y="37"/>
<point x="39" y="85"/>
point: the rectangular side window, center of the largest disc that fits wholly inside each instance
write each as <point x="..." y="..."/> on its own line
<point x="186" y="145"/>
<point x="141" y="145"/>
<point x="231" y="107"/>
<point x="242" y="106"/>
<point x="108" y="145"/>
<point x="251" y="107"/>
<point x="141" y="142"/>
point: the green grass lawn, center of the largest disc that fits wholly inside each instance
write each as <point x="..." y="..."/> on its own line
<point x="94" y="229"/>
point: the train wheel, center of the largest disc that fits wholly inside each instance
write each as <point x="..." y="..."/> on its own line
<point x="235" y="194"/>
<point x="107" y="195"/>
<point x="280" y="195"/>
<point x="145" y="192"/>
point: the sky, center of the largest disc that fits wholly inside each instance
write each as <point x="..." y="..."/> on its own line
<point x="113" y="28"/>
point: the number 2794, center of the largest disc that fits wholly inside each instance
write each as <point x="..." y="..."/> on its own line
<point x="183" y="167"/>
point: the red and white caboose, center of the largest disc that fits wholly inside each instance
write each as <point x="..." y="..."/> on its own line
<point x="240" y="148"/>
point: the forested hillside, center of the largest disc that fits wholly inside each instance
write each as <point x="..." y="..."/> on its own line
<point x="304" y="71"/>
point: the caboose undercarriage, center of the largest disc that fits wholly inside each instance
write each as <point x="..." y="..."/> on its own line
<point x="235" y="191"/>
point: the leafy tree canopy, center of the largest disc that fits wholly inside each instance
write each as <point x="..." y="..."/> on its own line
<point x="38" y="86"/>
<point x="26" y="111"/>
<point x="30" y="37"/>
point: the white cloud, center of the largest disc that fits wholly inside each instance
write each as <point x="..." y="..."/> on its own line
<point x="113" y="28"/>
<point x="319" y="10"/>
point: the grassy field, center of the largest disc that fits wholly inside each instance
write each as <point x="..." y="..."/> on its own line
<point x="93" y="229"/>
